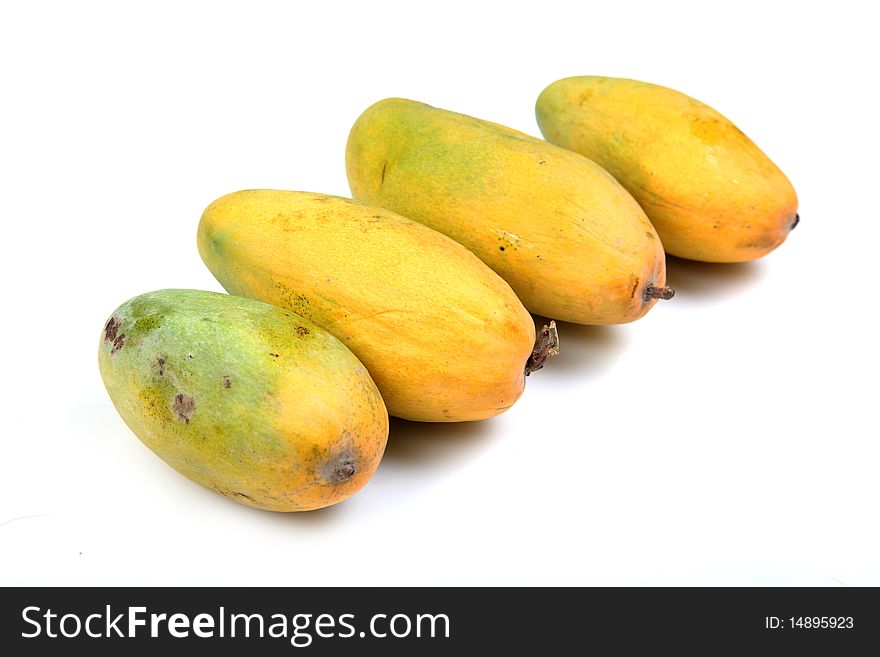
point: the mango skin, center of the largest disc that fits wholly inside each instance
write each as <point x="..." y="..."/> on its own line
<point x="248" y="400"/>
<point x="570" y="241"/>
<point x="712" y="194"/>
<point x="444" y="338"/>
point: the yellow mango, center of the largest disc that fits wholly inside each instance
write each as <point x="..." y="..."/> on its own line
<point x="246" y="399"/>
<point x="712" y="194"/>
<point x="571" y="242"/>
<point x="444" y="338"/>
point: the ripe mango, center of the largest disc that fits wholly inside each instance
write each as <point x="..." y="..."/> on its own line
<point x="246" y="399"/>
<point x="708" y="189"/>
<point x="571" y="242"/>
<point x="444" y="338"/>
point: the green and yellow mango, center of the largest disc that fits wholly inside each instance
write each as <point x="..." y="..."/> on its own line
<point x="571" y="242"/>
<point x="246" y="399"/>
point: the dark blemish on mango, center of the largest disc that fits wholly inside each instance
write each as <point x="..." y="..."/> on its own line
<point x="339" y="469"/>
<point x="500" y="248"/>
<point x="632" y="294"/>
<point x="274" y="355"/>
<point x="234" y="494"/>
<point x="384" y="168"/>
<point x="183" y="406"/>
<point x="190" y="356"/>
<point x="298" y="303"/>
<point x="797" y="220"/>
<point x="650" y="234"/>
<point x="761" y="242"/>
<point x="110" y="329"/>
<point x="340" y="464"/>
<point x="302" y="331"/>
<point x="160" y="366"/>
<point x="227" y="381"/>
<point x="118" y="343"/>
<point x="542" y="161"/>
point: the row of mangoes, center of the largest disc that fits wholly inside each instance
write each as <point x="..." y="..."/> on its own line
<point x="415" y="299"/>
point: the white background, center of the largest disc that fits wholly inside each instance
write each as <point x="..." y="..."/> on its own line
<point x="730" y="437"/>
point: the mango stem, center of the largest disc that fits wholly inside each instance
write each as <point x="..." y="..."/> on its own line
<point x="546" y="347"/>
<point x="653" y="292"/>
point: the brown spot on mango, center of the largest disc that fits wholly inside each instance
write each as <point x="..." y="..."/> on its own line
<point x="183" y="407"/>
<point x="118" y="343"/>
<point x="110" y="329"/>
<point x="340" y="469"/>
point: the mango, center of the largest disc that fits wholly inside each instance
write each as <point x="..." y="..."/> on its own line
<point x="571" y="242"/>
<point x="444" y="338"/>
<point x="711" y="193"/>
<point x="246" y="399"/>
